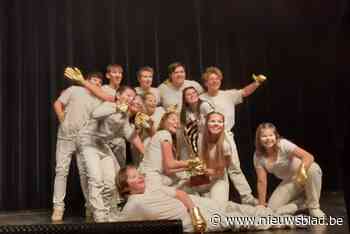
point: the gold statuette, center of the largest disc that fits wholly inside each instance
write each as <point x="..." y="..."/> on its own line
<point x="301" y="175"/>
<point x="122" y="107"/>
<point x="259" y="78"/>
<point x="74" y="74"/>
<point x="198" y="222"/>
<point x="142" y="120"/>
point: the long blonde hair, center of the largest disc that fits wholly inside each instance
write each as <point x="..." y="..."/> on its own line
<point x="259" y="148"/>
<point x="219" y="162"/>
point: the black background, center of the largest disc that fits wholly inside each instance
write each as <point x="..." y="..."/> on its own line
<point x="302" y="46"/>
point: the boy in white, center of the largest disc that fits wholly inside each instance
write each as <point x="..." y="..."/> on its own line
<point x="115" y="75"/>
<point x="171" y="89"/>
<point x="73" y="109"/>
<point x="145" y="78"/>
<point x="288" y="162"/>
<point x="108" y="122"/>
<point x="224" y="101"/>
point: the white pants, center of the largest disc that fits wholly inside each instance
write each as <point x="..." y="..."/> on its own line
<point x="289" y="192"/>
<point x="234" y="170"/>
<point x="118" y="147"/>
<point x="102" y="168"/>
<point x="64" y="152"/>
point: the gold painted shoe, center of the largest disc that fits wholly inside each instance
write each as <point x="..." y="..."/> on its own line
<point x="198" y="222"/>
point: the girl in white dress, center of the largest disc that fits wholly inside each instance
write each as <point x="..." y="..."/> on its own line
<point x="301" y="176"/>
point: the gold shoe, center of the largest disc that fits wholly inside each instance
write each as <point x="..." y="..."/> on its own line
<point x="198" y="222"/>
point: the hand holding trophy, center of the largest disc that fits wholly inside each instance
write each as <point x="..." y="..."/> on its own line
<point x="74" y="74"/>
<point x="259" y="78"/>
<point x="301" y="176"/>
<point x="196" y="166"/>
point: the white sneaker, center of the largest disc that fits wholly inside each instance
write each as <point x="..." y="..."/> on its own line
<point x="57" y="215"/>
<point x="317" y="212"/>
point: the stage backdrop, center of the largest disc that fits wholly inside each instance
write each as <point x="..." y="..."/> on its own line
<point x="294" y="43"/>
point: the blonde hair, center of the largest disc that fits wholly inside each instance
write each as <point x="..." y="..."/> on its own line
<point x="212" y="70"/>
<point x="219" y="162"/>
<point x="259" y="148"/>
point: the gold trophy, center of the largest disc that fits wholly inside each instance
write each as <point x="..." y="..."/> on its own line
<point x="143" y="121"/>
<point x="196" y="166"/>
<point x="259" y="78"/>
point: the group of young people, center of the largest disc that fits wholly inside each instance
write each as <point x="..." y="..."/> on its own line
<point x="96" y="120"/>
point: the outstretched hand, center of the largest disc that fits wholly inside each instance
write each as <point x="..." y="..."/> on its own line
<point x="74" y="74"/>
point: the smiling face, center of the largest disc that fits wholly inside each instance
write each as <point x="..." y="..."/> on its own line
<point x="177" y="77"/>
<point x="145" y="79"/>
<point x="135" y="181"/>
<point x="213" y="83"/>
<point x="150" y="103"/>
<point x="215" y="124"/>
<point x="127" y="96"/>
<point x="136" y="104"/>
<point x="171" y="123"/>
<point x="115" y="76"/>
<point x="268" y="138"/>
<point x="191" y="96"/>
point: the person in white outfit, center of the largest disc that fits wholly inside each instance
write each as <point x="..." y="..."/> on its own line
<point x="155" y="113"/>
<point x="288" y="162"/>
<point x="114" y="74"/>
<point x="221" y="161"/>
<point x="73" y="109"/>
<point x="108" y="122"/>
<point x="171" y="89"/>
<point x="159" y="163"/>
<point x="145" y="79"/>
<point x="148" y="202"/>
<point x="224" y="101"/>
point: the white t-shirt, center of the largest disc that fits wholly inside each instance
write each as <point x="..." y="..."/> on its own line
<point x="225" y="102"/>
<point x="153" y="159"/>
<point x="170" y="96"/>
<point x="78" y="105"/>
<point x="285" y="165"/>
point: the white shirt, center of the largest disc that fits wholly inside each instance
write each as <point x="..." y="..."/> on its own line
<point x="225" y="102"/>
<point x="170" y="96"/>
<point x="78" y="105"/>
<point x="285" y="165"/>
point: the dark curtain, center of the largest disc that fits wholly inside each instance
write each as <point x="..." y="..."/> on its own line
<point x="295" y="43"/>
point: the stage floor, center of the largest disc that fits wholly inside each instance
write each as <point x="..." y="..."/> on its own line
<point x="332" y="203"/>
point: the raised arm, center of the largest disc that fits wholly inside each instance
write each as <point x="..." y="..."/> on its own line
<point x="97" y="91"/>
<point x="250" y="89"/>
